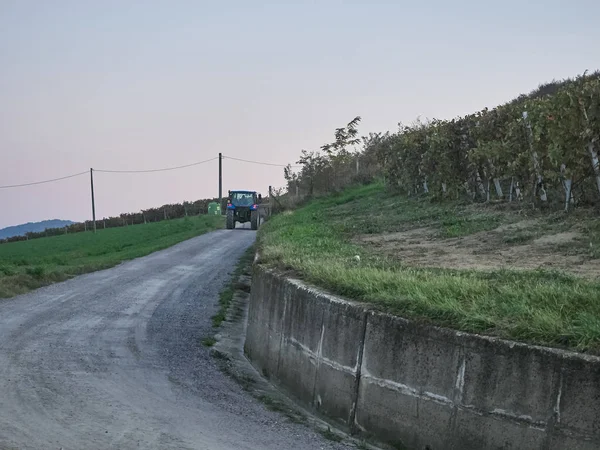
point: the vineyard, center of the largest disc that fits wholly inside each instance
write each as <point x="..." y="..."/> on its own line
<point x="541" y="149"/>
<point x="151" y="215"/>
<point x="460" y="222"/>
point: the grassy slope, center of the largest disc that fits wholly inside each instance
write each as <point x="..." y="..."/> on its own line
<point x="226" y="296"/>
<point x="534" y="306"/>
<point x="28" y="265"/>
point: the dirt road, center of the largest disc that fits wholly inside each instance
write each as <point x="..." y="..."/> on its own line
<point x="113" y="360"/>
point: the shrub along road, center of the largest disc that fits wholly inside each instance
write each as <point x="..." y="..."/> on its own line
<point x="113" y="359"/>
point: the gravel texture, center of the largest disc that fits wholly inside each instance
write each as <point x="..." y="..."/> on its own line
<point x="114" y="360"/>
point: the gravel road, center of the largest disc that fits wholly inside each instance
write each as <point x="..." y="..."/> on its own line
<point x="113" y="360"/>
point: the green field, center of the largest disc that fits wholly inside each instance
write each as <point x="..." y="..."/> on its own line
<point x="443" y="263"/>
<point x="27" y="265"/>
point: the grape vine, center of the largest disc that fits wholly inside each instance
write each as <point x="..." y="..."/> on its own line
<point x="542" y="148"/>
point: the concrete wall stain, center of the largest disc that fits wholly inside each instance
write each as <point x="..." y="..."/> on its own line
<point x="422" y="386"/>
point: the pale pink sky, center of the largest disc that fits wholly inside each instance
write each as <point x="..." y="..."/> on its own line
<point x="147" y="84"/>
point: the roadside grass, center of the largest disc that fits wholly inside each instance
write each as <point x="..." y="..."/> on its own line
<point x="226" y="295"/>
<point x="209" y="341"/>
<point x="330" y="435"/>
<point x="28" y="265"/>
<point x="273" y="404"/>
<point x="541" y="307"/>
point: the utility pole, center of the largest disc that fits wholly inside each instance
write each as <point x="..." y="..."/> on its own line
<point x="93" y="202"/>
<point x="221" y="181"/>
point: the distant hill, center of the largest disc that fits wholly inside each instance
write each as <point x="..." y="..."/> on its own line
<point x="20" y="230"/>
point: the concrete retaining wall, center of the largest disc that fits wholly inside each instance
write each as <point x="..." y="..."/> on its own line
<point x="415" y="386"/>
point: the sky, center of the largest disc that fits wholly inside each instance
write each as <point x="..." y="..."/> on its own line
<point x="135" y="85"/>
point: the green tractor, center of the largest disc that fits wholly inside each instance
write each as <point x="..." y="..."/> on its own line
<point x="242" y="207"/>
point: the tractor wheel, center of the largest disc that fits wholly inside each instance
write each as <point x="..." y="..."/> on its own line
<point x="230" y="221"/>
<point x="254" y="220"/>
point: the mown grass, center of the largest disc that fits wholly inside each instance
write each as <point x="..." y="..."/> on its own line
<point x="540" y="307"/>
<point x="27" y="265"/>
<point x="372" y="210"/>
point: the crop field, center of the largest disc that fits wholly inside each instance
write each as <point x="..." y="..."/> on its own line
<point x="27" y="265"/>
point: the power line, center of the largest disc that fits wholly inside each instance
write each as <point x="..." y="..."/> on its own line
<point x="142" y="171"/>
<point x="43" y="182"/>
<point x="157" y="170"/>
<point x="257" y="162"/>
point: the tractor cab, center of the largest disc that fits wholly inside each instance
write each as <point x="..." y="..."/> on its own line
<point x="242" y="199"/>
